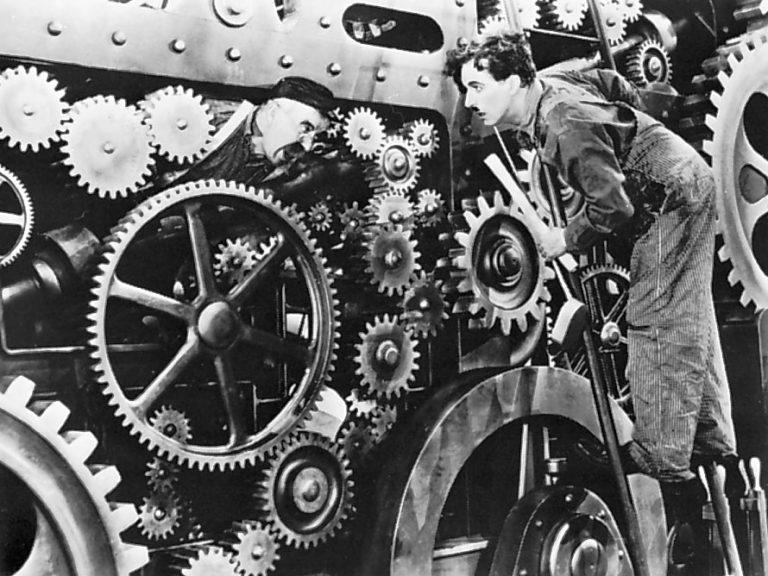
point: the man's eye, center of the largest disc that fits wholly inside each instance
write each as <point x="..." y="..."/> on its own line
<point x="306" y="128"/>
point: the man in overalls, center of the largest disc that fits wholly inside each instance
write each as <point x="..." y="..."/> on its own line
<point x="642" y="182"/>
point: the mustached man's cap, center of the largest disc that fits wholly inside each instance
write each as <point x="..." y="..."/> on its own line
<point x="305" y="91"/>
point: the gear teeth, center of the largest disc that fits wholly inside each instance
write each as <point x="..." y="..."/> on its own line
<point x="106" y="478"/>
<point x="81" y="444"/>
<point x="54" y="417"/>
<point x="19" y="391"/>
<point x="123" y="516"/>
<point x="364" y="132"/>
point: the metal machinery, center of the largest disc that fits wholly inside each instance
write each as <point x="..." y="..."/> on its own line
<point x="347" y="369"/>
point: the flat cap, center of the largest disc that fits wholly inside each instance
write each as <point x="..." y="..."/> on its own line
<point x="305" y="91"/>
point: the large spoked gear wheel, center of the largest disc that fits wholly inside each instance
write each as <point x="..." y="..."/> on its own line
<point x="364" y="132"/>
<point x="648" y="63"/>
<point x="396" y="166"/>
<point x="48" y="485"/>
<point x="307" y="491"/>
<point x="254" y="547"/>
<point x="17" y="218"/>
<point x="213" y="337"/>
<point x="180" y="124"/>
<point x="32" y="109"/>
<point x="502" y="273"/>
<point x="392" y="259"/>
<point x="738" y="153"/>
<point x="386" y="358"/>
<point x="107" y="147"/>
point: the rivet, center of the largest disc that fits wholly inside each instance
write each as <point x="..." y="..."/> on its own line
<point x="459" y="3"/>
<point x="119" y="38"/>
<point x="381" y="75"/>
<point x="181" y="124"/>
<point x="234" y="54"/>
<point x="538" y="523"/>
<point x="569" y="498"/>
<point x="28" y="110"/>
<point x="55" y="28"/>
<point x="286" y="61"/>
<point x="108" y="148"/>
<point x="334" y="69"/>
<point x="325" y="22"/>
<point x="423" y="81"/>
<point x="178" y="45"/>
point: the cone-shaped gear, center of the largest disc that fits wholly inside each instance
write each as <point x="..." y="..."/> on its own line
<point x="430" y="207"/>
<point x="46" y="467"/>
<point x="159" y="515"/>
<point x="422" y="134"/>
<point x="254" y="547"/>
<point x="180" y="124"/>
<point x="214" y="330"/>
<point x="391" y="208"/>
<point x="364" y="132"/>
<point x="32" y="109"/>
<point x="392" y="259"/>
<point x="204" y="561"/>
<point x="307" y="491"/>
<point x="107" y="146"/>
<point x="396" y="166"/>
<point x="648" y="63"/>
<point x="500" y="268"/>
<point x="386" y="358"/>
<point x="319" y="217"/>
<point x="16" y="219"/>
<point x="172" y="423"/>
<point x="424" y="306"/>
<point x="569" y="14"/>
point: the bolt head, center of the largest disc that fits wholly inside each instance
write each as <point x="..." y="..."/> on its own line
<point x="55" y="28"/>
<point x="178" y="45"/>
<point x="325" y="22"/>
<point x="286" y="61"/>
<point x="119" y="38"/>
<point x="234" y="54"/>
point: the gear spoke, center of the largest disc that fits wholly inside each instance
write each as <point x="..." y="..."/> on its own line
<point x="201" y="251"/>
<point x="619" y="309"/>
<point x="10" y="219"/>
<point x="150" y="299"/>
<point x="280" y="346"/>
<point x="242" y="291"/>
<point x="180" y="362"/>
<point x="233" y="400"/>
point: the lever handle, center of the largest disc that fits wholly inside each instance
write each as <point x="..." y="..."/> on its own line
<point x="754" y="468"/>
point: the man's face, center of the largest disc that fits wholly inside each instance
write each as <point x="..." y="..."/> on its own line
<point x="487" y="97"/>
<point x="291" y="130"/>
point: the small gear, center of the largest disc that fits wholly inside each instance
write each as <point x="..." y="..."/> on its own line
<point x="307" y="491"/>
<point x="204" y="561"/>
<point x="16" y="219"/>
<point x="648" y="63"/>
<point x="396" y="166"/>
<point x="422" y="135"/>
<point x="319" y="217"/>
<point x="357" y="441"/>
<point x="32" y="109"/>
<point x="172" y="424"/>
<point x="161" y="476"/>
<point x="390" y="208"/>
<point x="386" y="358"/>
<point x="107" y="146"/>
<point x="569" y="14"/>
<point x="383" y="421"/>
<point x="364" y="132"/>
<point x="254" y="547"/>
<point x="614" y="24"/>
<point x="430" y="207"/>
<point x="424" y="306"/>
<point x="234" y="259"/>
<point x="392" y="259"/>
<point x="353" y="221"/>
<point x="180" y="124"/>
<point x="631" y="10"/>
<point x="360" y="406"/>
<point x="499" y="268"/>
<point x="335" y="123"/>
<point x="159" y="515"/>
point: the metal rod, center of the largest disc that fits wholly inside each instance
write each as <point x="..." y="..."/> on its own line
<point x="723" y="519"/>
<point x="605" y="48"/>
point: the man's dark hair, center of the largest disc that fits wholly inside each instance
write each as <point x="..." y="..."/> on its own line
<point x="501" y="55"/>
<point x="305" y="91"/>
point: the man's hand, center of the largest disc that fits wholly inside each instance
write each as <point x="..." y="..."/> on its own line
<point x="551" y="243"/>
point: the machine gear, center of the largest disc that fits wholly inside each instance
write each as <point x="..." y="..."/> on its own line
<point x="46" y="480"/>
<point x="180" y="124"/>
<point x="17" y="217"/>
<point x="383" y="421"/>
<point x="386" y="358"/>
<point x="357" y="441"/>
<point x="172" y="424"/>
<point x="161" y="476"/>
<point x="159" y="515"/>
<point x="204" y="561"/>
<point x="501" y="271"/>
<point x="648" y="63"/>
<point x="359" y="405"/>
<point x="740" y="171"/>
<point x="430" y="208"/>
<point x="211" y="326"/>
<point x="254" y="547"/>
<point x="335" y="123"/>
<point x="107" y="146"/>
<point x="614" y="24"/>
<point x="422" y="135"/>
<point x="631" y="10"/>
<point x="424" y="306"/>
<point x="32" y="109"/>
<point x="319" y="217"/>
<point x="389" y="207"/>
<point x="392" y="259"/>
<point x="307" y="491"/>
<point x="353" y="221"/>
<point x="396" y="166"/>
<point x="364" y="132"/>
<point x="234" y="259"/>
<point x="527" y="13"/>
<point x="569" y="14"/>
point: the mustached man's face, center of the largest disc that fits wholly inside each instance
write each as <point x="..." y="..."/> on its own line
<point x="288" y="129"/>
<point x="491" y="100"/>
